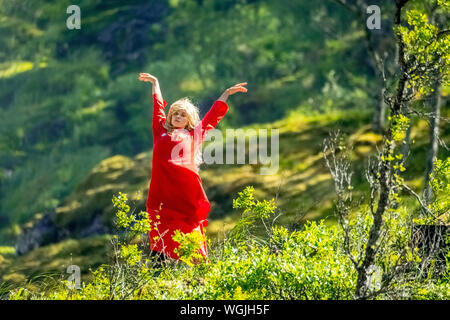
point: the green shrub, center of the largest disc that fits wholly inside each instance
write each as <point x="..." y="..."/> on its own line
<point x="309" y="263"/>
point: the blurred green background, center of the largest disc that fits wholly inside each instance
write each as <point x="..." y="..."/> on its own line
<point x="70" y="99"/>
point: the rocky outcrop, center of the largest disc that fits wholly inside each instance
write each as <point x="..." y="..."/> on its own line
<point x="43" y="231"/>
<point x="36" y="233"/>
<point x="89" y="210"/>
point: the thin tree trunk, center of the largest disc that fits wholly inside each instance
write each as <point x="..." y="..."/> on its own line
<point x="405" y="147"/>
<point x="434" y="147"/>
<point x="434" y="130"/>
<point x="362" y="283"/>
<point x="358" y="8"/>
<point x="379" y="114"/>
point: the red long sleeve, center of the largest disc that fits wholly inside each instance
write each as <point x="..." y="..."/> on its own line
<point x="212" y="118"/>
<point x="159" y="117"/>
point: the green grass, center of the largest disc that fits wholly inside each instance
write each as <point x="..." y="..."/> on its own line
<point x="303" y="188"/>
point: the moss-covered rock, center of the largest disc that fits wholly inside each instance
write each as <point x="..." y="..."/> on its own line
<point x="51" y="262"/>
<point x="89" y="210"/>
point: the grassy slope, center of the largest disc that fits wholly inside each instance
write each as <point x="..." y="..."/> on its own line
<point x="303" y="189"/>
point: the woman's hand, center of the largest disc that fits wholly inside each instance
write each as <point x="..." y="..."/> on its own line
<point x="147" y="77"/>
<point x="237" y="88"/>
<point x="240" y="87"/>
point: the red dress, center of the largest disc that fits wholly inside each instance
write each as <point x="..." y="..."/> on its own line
<point x="176" y="194"/>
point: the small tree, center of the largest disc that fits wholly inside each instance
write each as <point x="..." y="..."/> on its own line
<point x="423" y="55"/>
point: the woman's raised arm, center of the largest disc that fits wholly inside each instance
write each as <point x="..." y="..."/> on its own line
<point x="147" y="77"/>
<point x="217" y="111"/>
<point x="159" y="116"/>
<point x="240" y="87"/>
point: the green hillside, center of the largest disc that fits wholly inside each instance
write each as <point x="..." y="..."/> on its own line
<point x="302" y="186"/>
<point x="71" y="98"/>
<point x="75" y="121"/>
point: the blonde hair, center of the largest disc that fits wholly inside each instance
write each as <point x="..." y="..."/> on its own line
<point x="193" y="118"/>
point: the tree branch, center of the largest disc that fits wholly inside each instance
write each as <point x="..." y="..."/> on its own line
<point x="419" y="200"/>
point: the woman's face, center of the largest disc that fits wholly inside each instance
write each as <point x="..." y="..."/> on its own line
<point x="179" y="119"/>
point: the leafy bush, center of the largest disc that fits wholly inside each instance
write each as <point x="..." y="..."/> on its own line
<point x="189" y="246"/>
<point x="309" y="263"/>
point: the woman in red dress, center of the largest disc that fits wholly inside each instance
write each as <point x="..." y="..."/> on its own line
<point x="176" y="199"/>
